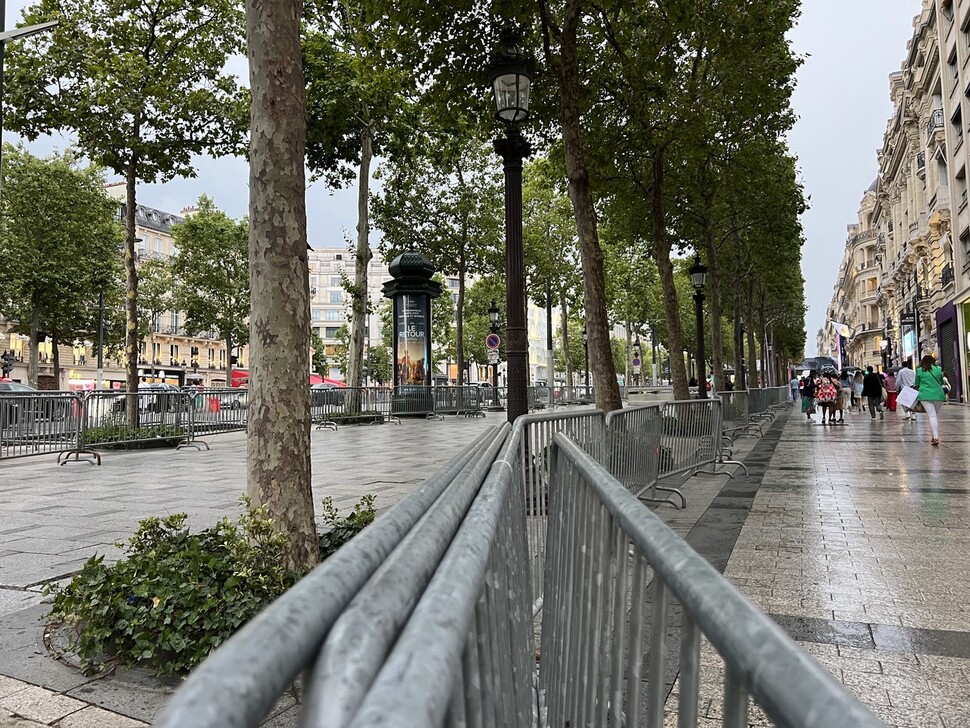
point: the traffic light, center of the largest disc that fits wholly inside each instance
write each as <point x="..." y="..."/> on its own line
<point x="233" y="359"/>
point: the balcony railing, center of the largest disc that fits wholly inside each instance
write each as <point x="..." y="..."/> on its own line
<point x="935" y="122"/>
<point x="946" y="276"/>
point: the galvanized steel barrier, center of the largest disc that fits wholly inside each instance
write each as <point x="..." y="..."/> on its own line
<point x="532" y="436"/>
<point x="634" y="447"/>
<point x="427" y="617"/>
<point x="239" y="684"/>
<point x="40" y="423"/>
<point x="605" y="548"/>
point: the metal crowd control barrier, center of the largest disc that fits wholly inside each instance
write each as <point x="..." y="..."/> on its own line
<point x="239" y="684"/>
<point x="39" y="423"/>
<point x="217" y="410"/>
<point x="691" y="438"/>
<point x="634" y="436"/>
<point x="465" y="401"/>
<point x="596" y="630"/>
<point x="162" y="417"/>
<point x="350" y="405"/>
<point x="532" y="435"/>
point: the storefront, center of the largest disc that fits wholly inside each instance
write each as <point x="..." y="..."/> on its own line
<point x="948" y="354"/>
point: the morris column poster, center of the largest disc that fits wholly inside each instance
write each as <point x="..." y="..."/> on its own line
<point x="412" y="349"/>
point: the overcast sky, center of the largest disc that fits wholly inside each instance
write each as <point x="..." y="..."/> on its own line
<point x="842" y="101"/>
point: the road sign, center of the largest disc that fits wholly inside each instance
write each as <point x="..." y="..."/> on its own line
<point x="636" y="361"/>
<point x="492" y="356"/>
<point x="492" y="341"/>
<point x="636" y="369"/>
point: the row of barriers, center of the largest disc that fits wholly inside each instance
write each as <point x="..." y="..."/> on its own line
<point x="446" y="612"/>
<point x="75" y="425"/>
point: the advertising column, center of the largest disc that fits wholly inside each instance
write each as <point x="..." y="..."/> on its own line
<point x="412" y="344"/>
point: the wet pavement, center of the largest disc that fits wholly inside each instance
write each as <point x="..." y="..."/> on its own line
<point x="854" y="538"/>
<point x="857" y="543"/>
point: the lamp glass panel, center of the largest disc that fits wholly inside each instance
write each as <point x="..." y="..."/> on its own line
<point x="511" y="96"/>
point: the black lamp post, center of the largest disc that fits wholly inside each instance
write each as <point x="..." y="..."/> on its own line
<point x="698" y="278"/>
<point x="510" y="75"/>
<point x="493" y="314"/>
<point x="586" y="355"/>
<point x="740" y="375"/>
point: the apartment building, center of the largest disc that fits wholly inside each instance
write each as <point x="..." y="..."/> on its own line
<point x="168" y="354"/>
<point x="903" y="289"/>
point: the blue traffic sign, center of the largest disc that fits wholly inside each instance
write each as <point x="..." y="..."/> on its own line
<point x="492" y="341"/>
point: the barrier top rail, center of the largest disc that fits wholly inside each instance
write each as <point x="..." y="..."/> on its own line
<point x="239" y="683"/>
<point x="793" y="689"/>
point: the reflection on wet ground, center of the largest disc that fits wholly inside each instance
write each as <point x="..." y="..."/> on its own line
<point x="858" y="544"/>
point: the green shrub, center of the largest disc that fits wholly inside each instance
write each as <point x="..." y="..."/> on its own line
<point x="114" y="428"/>
<point x="178" y="595"/>
<point x="338" y="531"/>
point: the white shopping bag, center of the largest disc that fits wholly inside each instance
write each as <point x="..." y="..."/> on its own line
<point x="907" y="397"/>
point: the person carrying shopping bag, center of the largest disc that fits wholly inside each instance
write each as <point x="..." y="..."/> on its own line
<point x="929" y="383"/>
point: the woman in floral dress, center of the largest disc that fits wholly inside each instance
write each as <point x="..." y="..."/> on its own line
<point x="826" y="394"/>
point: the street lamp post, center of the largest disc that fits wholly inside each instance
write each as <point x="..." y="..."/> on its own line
<point x="586" y="355"/>
<point x="636" y="356"/>
<point x="698" y="278"/>
<point x="99" y="382"/>
<point x="510" y="75"/>
<point x="653" y="360"/>
<point x="493" y="314"/>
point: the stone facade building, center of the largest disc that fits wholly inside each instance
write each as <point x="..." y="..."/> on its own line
<point x="912" y="241"/>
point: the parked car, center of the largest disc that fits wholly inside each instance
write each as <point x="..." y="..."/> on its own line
<point x="13" y="407"/>
<point x="235" y="400"/>
<point x="326" y="394"/>
<point x="155" y="397"/>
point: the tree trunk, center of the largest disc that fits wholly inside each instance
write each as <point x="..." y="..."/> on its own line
<point x="56" y="361"/>
<point x="753" y="374"/>
<point x="131" y="294"/>
<point x="278" y="436"/>
<point x="717" y="332"/>
<point x="33" y="362"/>
<point x="661" y="254"/>
<point x="229" y="359"/>
<point x="359" y="294"/>
<point x="460" y="320"/>
<point x="567" y="360"/>
<point x="581" y="195"/>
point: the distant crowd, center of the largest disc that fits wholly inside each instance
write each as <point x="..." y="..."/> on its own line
<point x="829" y="393"/>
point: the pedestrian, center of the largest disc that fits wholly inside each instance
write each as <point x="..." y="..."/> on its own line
<point x="929" y="382"/>
<point x="889" y="381"/>
<point x="793" y="384"/>
<point x="858" y="382"/>
<point x="872" y="391"/>
<point x="826" y="393"/>
<point x="808" y="396"/>
<point x="906" y="377"/>
<point x="841" y="397"/>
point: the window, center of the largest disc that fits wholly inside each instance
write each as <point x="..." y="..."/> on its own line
<point x="453" y="283"/>
<point x="315" y="314"/>
<point x="961" y="182"/>
<point x="338" y="256"/>
<point x="965" y="244"/>
<point x="336" y="296"/>
<point x="330" y="332"/>
<point x="946" y="8"/>
<point x="313" y="281"/>
<point x="158" y="245"/>
<point x="336" y="281"/>
<point x="333" y="314"/>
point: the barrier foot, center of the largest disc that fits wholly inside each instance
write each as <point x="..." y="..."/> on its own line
<point x="735" y="462"/>
<point x="652" y="498"/>
<point x="434" y="416"/>
<point x="327" y="425"/>
<point x="93" y="458"/>
<point x="673" y="491"/>
<point x="197" y="444"/>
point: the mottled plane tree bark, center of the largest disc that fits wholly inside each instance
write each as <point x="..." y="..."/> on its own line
<point x="279" y="399"/>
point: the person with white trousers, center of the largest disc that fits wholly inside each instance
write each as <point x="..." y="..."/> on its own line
<point x="906" y="377"/>
<point x="929" y="382"/>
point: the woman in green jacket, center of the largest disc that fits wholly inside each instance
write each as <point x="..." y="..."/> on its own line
<point x="929" y="382"/>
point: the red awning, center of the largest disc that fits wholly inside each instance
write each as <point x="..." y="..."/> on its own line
<point x="240" y="378"/>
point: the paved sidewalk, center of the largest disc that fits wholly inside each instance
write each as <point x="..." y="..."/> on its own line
<point x="858" y="544"/>
<point x="853" y="538"/>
